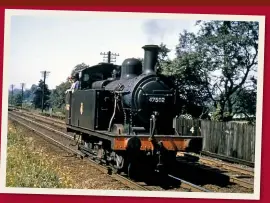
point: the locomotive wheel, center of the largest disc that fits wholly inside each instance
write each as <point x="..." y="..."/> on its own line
<point x="131" y="170"/>
<point x="119" y="163"/>
<point x="133" y="165"/>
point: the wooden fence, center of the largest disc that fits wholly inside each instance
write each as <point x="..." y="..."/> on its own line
<point x="187" y="127"/>
<point x="230" y="139"/>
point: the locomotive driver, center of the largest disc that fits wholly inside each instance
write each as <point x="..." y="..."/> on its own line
<point x="75" y="84"/>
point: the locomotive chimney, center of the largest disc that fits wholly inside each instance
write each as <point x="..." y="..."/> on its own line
<point x="150" y="59"/>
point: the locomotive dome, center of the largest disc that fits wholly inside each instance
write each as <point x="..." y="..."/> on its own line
<point x="131" y="67"/>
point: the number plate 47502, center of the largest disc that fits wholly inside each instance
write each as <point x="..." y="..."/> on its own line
<point x="156" y="99"/>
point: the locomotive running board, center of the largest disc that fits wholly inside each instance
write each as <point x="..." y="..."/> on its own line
<point x="170" y="142"/>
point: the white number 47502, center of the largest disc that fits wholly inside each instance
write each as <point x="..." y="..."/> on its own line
<point x="157" y="99"/>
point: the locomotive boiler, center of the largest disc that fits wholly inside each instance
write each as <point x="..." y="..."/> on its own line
<point x="123" y="115"/>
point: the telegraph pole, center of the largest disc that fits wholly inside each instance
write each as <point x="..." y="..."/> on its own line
<point x="22" y="84"/>
<point x="44" y="74"/>
<point x="111" y="57"/>
<point x="12" y="99"/>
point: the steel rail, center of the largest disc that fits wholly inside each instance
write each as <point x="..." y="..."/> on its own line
<point x="223" y="164"/>
<point x="77" y="152"/>
<point x="228" y="166"/>
<point x="44" y="120"/>
<point x="229" y="159"/>
<point x="233" y="179"/>
<point x="192" y="187"/>
<point x="42" y="116"/>
<point x="46" y="127"/>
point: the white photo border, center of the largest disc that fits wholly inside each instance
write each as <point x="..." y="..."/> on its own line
<point x="80" y="14"/>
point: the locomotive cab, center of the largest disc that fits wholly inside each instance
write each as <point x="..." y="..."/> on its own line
<point x="99" y="72"/>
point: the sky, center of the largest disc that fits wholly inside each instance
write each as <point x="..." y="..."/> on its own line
<point x="57" y="44"/>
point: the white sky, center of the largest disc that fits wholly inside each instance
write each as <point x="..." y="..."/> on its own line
<point x="57" y="44"/>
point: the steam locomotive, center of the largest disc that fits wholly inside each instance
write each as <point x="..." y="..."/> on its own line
<point x="124" y="115"/>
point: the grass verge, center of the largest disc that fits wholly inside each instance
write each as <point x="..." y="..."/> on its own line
<point x="27" y="166"/>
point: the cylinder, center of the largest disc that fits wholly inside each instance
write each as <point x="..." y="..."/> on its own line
<point x="150" y="58"/>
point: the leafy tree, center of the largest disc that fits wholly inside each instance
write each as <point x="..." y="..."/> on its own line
<point x="214" y="66"/>
<point x="27" y="94"/>
<point x="10" y="98"/>
<point x="245" y="101"/>
<point x="78" y="68"/>
<point x="37" y="100"/>
<point x="235" y="54"/>
<point x="191" y="86"/>
<point x="33" y="89"/>
<point x="18" y="99"/>
<point x="58" y="96"/>
<point x="163" y="59"/>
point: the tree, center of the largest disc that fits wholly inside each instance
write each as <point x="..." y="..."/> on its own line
<point x="78" y="68"/>
<point x="33" y="89"/>
<point x="214" y="66"/>
<point x="37" y="100"/>
<point x="191" y="86"/>
<point x="245" y="102"/>
<point x="58" y="96"/>
<point x="27" y="94"/>
<point x="18" y="99"/>
<point x="163" y="59"/>
<point x="10" y="98"/>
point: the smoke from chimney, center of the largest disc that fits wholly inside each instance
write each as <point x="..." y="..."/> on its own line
<point x="157" y="29"/>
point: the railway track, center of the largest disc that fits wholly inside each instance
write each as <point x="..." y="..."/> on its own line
<point x="227" y="166"/>
<point x="45" y="127"/>
<point x="228" y="159"/>
<point x="238" y="175"/>
<point x="47" y="118"/>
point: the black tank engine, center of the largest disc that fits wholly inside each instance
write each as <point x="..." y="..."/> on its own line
<point x="123" y="114"/>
